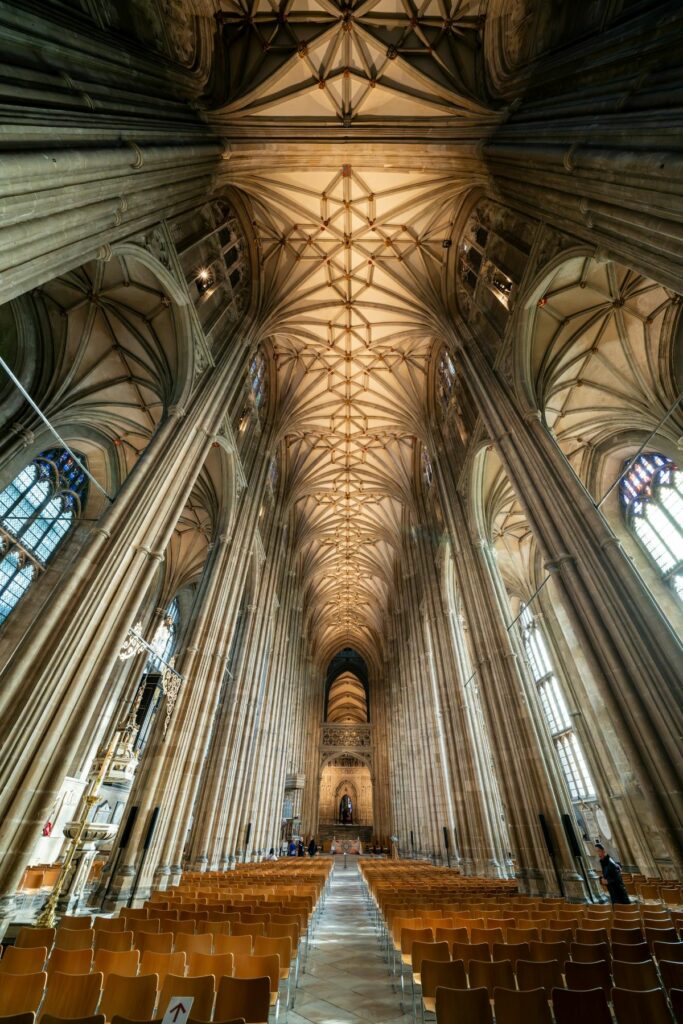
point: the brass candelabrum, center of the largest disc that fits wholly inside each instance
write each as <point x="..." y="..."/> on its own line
<point x="47" y="916"/>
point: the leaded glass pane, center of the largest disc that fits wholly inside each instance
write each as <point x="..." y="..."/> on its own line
<point x="651" y="492"/>
<point x="15" y="580"/>
<point x="574" y="767"/>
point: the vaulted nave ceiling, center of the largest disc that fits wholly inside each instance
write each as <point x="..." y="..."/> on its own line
<point x="353" y="236"/>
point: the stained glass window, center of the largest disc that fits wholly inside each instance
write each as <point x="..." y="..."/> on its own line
<point x="555" y="710"/>
<point x="651" y="492"/>
<point x="445" y="378"/>
<point x="427" y="468"/>
<point x="475" y="265"/>
<point x="258" y="377"/>
<point x="164" y="640"/>
<point x="37" y="510"/>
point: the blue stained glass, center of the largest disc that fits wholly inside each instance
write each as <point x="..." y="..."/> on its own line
<point x="651" y="493"/>
<point x="37" y="509"/>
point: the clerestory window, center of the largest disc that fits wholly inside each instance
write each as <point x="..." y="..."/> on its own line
<point x="651" y="492"/>
<point x="37" y="510"/>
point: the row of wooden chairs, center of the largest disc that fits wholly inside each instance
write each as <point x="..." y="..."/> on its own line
<point x="72" y="996"/>
<point x="569" y="1006"/>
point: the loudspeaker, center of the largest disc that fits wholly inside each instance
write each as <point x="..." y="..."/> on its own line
<point x="150" y="828"/>
<point x="412" y="841"/>
<point x="571" y="835"/>
<point x="128" y="827"/>
<point x="546" y="835"/>
<point x="248" y="836"/>
<point x="445" y="837"/>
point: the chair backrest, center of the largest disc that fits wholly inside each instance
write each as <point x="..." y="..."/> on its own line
<point x="587" y="953"/>
<point x="144" y="927"/>
<point x="512" y="951"/>
<point x="570" y="1006"/>
<point x="266" y="946"/>
<point x="557" y="935"/>
<point x="447" y="973"/>
<point x="672" y="951"/>
<point x="213" y="927"/>
<point x="584" y="977"/>
<point x="35" y="937"/>
<point x="122" y="962"/>
<point x="450" y="935"/>
<point x="253" y="929"/>
<point x="21" y="993"/>
<point x="672" y="974"/>
<point x="201" y="990"/>
<point x="246" y="998"/>
<point x="514" y="935"/>
<point x="140" y="913"/>
<point x="428" y="951"/>
<point x="466" y="952"/>
<point x="218" y="964"/>
<point x="631" y="954"/>
<point x="490" y="975"/>
<point x="70" y="961"/>
<point x="162" y="964"/>
<point x="251" y="966"/>
<point x="116" y="941"/>
<point x="640" y="1007"/>
<point x="676" y="997"/>
<point x="626" y="936"/>
<point x="233" y="944"/>
<point x="29" y="960"/>
<point x="75" y="921"/>
<point x="127" y="995"/>
<point x="74" y="938"/>
<point x="638" y="977"/>
<point x="463" y="1006"/>
<point x="591" y="935"/>
<point x="512" y="1007"/>
<point x="488" y="935"/>
<point x="154" y="942"/>
<point x="91" y="1018"/>
<point x="653" y="935"/>
<point x="545" y="974"/>
<point x="72" y="995"/>
<point x="549" y="951"/>
<point x="193" y="943"/>
<point x="20" y="1018"/>
<point x="109" y="924"/>
<point x="290" y="931"/>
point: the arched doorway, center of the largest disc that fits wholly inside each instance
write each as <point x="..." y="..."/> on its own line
<point x="346" y="810"/>
<point x="345" y="792"/>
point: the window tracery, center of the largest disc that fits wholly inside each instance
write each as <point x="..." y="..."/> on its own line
<point x="445" y="379"/>
<point x="555" y="710"/>
<point x="37" y="510"/>
<point x="651" y="493"/>
<point x="427" y="468"/>
<point x="475" y="264"/>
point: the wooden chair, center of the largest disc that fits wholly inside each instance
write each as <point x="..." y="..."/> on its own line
<point x="450" y="935"/>
<point x="466" y="952"/>
<point x="143" y="927"/>
<point x="69" y="961"/>
<point x="515" y="935"/>
<point x="632" y="1007"/>
<point x="117" y="1019"/>
<point x="587" y="953"/>
<point x="653" y="935"/>
<point x="671" y="951"/>
<point x="630" y="954"/>
<point x="246" y="998"/>
<point x="570" y="1006"/>
<point x="584" y="977"/>
<point x="235" y="944"/>
<point x="676" y="997"/>
<point x="201" y="990"/>
<point x="93" y="1018"/>
<point x="261" y="967"/>
<point x="72" y="995"/>
<point x="28" y="937"/>
<point x="545" y="974"/>
<point x="139" y="913"/>
<point x="489" y="975"/>
<point x="549" y="951"/>
<point x="125" y="994"/>
<point x="672" y="974"/>
<point x="626" y="936"/>
<point x="109" y="924"/>
<point x="30" y="960"/>
<point x="636" y="977"/>
<point x="440" y="973"/>
<point x="557" y="935"/>
<point x="524" y="1007"/>
<point x="218" y="964"/>
<point x="162" y="964"/>
<point x="75" y="921"/>
<point x="21" y="993"/>
<point x="121" y="962"/>
<point x="463" y="1006"/>
<point x="117" y="942"/>
<point x="591" y="936"/>
<point x="487" y="935"/>
<point x="213" y="928"/>
<point x="512" y="951"/>
<point x="193" y="943"/>
<point x="282" y="948"/>
<point x="74" y="938"/>
<point x="154" y="942"/>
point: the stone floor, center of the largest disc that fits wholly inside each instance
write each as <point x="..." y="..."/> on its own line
<point x="346" y="979"/>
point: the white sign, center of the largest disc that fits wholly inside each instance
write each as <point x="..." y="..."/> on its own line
<point x="178" y="1010"/>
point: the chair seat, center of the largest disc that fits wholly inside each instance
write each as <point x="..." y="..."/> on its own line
<point x="429" y="1003"/>
<point x="274" y="998"/>
<point x="417" y="978"/>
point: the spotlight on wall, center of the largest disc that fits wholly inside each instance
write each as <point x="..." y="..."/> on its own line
<point x="204" y="280"/>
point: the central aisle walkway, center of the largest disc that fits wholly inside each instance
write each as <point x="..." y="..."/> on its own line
<point x="346" y="977"/>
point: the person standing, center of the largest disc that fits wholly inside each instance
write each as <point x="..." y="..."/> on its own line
<point x="300" y="850"/>
<point x="611" y="876"/>
<point x="312" y="848"/>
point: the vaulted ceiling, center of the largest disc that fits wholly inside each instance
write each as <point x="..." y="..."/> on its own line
<point x="352" y="129"/>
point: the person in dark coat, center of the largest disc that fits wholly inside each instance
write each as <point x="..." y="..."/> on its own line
<point x="300" y="849"/>
<point x="312" y="848"/>
<point x="611" y="873"/>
